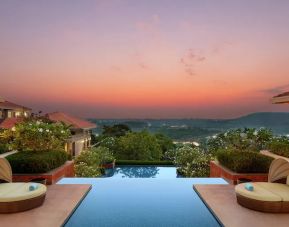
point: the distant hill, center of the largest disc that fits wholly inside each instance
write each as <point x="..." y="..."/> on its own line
<point x="278" y="122"/>
<point x="188" y="129"/>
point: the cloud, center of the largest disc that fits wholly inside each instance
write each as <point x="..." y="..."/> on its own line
<point x="191" y="59"/>
<point x="275" y="90"/>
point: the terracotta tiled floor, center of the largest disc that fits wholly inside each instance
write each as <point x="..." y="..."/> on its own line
<point x="60" y="202"/>
<point x="221" y="200"/>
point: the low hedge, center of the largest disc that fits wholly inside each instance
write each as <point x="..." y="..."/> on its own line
<point x="141" y="162"/>
<point x="244" y="161"/>
<point x="279" y="146"/>
<point x="36" y="162"/>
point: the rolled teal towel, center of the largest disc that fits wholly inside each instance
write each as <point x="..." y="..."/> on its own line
<point x="249" y="187"/>
<point x="33" y="187"/>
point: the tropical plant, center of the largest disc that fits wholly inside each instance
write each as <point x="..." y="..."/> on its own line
<point x="192" y="162"/>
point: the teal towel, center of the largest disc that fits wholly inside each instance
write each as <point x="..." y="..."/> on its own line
<point x="33" y="187"/>
<point x="249" y="187"/>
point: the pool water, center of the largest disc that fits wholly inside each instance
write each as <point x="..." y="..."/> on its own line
<point x="142" y="202"/>
<point x="142" y="172"/>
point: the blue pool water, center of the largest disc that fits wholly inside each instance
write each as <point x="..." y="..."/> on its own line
<point x="142" y="202"/>
<point x="142" y="172"/>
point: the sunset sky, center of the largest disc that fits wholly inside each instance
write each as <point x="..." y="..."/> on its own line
<point x="146" y="58"/>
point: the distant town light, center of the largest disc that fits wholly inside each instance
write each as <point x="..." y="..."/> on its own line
<point x="196" y="144"/>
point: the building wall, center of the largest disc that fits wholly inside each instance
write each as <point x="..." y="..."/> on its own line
<point x="77" y="143"/>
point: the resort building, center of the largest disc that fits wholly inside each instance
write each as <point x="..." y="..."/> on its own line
<point x="11" y="113"/>
<point x="80" y="130"/>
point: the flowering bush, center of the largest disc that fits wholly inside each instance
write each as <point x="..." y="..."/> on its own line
<point x="192" y="162"/>
<point x="248" y="139"/>
<point x="108" y="142"/>
<point x="89" y="163"/>
<point x="36" y="135"/>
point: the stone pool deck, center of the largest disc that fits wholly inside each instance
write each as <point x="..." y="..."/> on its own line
<point x="221" y="200"/>
<point x="59" y="204"/>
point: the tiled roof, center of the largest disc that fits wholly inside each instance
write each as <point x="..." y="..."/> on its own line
<point x="11" y="106"/>
<point x="10" y="122"/>
<point x="70" y="120"/>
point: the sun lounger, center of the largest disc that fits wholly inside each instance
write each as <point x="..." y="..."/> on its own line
<point x="16" y="197"/>
<point x="267" y="196"/>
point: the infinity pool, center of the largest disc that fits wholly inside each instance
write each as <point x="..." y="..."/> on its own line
<point x="142" y="202"/>
<point x="142" y="172"/>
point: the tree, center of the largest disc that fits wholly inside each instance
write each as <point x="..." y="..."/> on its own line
<point x="165" y="142"/>
<point x="138" y="146"/>
<point x="115" y="130"/>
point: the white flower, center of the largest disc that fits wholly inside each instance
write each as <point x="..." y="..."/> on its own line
<point x="214" y="137"/>
<point x="13" y="129"/>
<point x="62" y="131"/>
<point x="226" y="134"/>
<point x="38" y="122"/>
<point x="255" y="133"/>
<point x="40" y="130"/>
<point x="47" y="130"/>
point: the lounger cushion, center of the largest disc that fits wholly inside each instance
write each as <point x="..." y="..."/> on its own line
<point x="259" y="193"/>
<point x="10" y="192"/>
<point x="287" y="180"/>
<point x="281" y="190"/>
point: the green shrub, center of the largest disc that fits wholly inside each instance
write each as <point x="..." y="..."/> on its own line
<point x="36" y="162"/>
<point x="140" y="162"/>
<point x="192" y="162"/>
<point x="244" y="161"/>
<point x="3" y="148"/>
<point x="279" y="146"/>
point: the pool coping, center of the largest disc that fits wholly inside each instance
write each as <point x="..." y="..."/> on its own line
<point x="60" y="203"/>
<point x="77" y="205"/>
<point x="207" y="205"/>
<point x="221" y="200"/>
